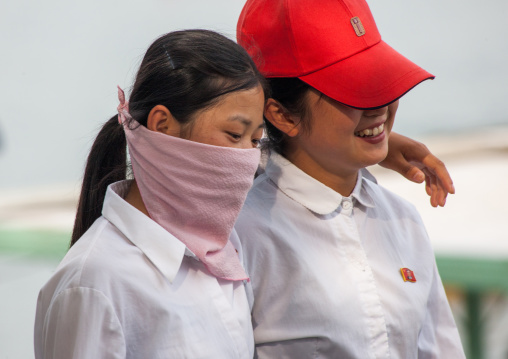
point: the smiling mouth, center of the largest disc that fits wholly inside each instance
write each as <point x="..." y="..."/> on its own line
<point x="371" y="132"/>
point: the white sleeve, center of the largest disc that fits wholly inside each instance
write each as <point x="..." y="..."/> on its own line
<point x="79" y="323"/>
<point x="439" y="337"/>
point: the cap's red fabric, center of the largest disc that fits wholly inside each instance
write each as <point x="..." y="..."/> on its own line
<point x="316" y="41"/>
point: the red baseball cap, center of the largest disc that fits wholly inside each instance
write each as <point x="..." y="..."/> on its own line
<point x="332" y="45"/>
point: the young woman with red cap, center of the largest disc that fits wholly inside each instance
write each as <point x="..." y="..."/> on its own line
<point x="340" y="267"/>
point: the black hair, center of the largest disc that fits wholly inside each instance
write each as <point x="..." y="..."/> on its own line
<point x="186" y="71"/>
<point x="291" y="93"/>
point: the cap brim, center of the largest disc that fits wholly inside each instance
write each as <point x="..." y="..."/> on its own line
<point x="370" y="79"/>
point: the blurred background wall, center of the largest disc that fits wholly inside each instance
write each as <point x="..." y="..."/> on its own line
<point x="61" y="61"/>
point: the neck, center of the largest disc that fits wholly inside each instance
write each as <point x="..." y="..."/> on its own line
<point x="340" y="180"/>
<point x="134" y="198"/>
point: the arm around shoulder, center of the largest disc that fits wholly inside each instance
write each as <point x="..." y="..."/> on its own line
<point x="414" y="161"/>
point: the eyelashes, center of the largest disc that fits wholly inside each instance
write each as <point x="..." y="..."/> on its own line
<point x="238" y="137"/>
<point x="235" y="136"/>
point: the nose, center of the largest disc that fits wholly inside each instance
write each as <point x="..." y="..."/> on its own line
<point x="376" y="112"/>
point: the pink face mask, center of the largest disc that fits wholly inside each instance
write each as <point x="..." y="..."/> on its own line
<point x="193" y="190"/>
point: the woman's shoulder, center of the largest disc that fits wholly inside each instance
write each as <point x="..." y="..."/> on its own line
<point x="94" y="261"/>
<point x="388" y="204"/>
<point x="384" y="196"/>
<point x="259" y="197"/>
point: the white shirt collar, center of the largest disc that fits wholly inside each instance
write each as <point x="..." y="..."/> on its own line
<point x="161" y="247"/>
<point x="308" y="191"/>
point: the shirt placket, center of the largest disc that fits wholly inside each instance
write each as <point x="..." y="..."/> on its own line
<point x="368" y="295"/>
<point x="228" y="317"/>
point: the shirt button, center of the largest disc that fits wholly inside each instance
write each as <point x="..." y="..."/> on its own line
<point x="346" y="205"/>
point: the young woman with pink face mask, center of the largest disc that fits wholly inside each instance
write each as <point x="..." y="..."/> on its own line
<point x="154" y="268"/>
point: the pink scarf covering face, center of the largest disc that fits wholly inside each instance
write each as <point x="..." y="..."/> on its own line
<point x="193" y="190"/>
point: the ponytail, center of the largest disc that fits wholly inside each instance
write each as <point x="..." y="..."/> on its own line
<point x="106" y="164"/>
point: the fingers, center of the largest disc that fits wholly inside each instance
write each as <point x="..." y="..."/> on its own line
<point x="435" y="189"/>
<point x="441" y="195"/>
<point x="438" y="168"/>
<point x="399" y="164"/>
<point x="438" y="182"/>
<point x="431" y="187"/>
<point x="416" y="163"/>
<point x="414" y="174"/>
<point x="427" y="186"/>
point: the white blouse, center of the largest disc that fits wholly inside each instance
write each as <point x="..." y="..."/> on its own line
<point x="129" y="289"/>
<point x="326" y="272"/>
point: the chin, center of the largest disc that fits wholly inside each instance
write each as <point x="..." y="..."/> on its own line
<point x="376" y="158"/>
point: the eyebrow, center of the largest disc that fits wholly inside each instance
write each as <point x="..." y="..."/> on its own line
<point x="243" y="120"/>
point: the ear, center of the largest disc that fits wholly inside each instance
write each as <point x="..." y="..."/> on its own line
<point x="161" y="120"/>
<point x="281" y="118"/>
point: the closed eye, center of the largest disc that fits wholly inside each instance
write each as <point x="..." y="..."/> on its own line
<point x="235" y="136"/>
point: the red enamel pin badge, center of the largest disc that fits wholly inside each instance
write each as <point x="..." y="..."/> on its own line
<point x="408" y="275"/>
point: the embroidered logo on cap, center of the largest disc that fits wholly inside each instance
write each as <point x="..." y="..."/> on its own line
<point x="408" y="275"/>
<point x="358" y="26"/>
